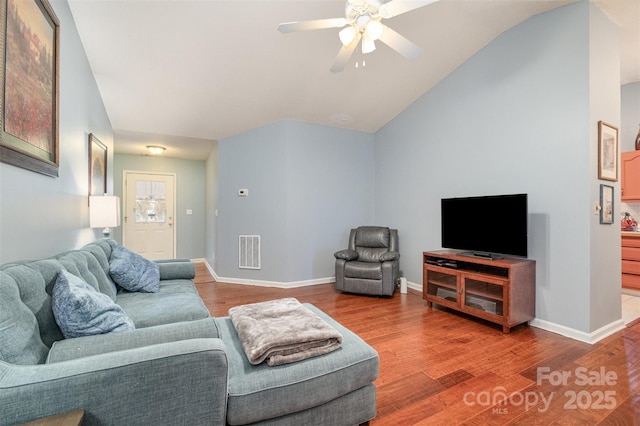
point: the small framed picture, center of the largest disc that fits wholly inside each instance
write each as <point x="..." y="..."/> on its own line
<point x="606" y="204"/>
<point x="607" y="152"/>
<point x="97" y="166"/>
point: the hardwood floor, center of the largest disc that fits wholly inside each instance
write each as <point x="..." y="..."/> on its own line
<point x="440" y="367"/>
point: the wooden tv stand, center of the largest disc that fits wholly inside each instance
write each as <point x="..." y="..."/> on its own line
<point x="502" y="290"/>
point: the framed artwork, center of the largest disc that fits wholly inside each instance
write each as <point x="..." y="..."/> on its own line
<point x="29" y="85"/>
<point x="606" y="204"/>
<point x="607" y="152"/>
<point x="97" y="166"/>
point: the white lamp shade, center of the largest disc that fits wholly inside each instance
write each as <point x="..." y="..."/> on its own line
<point x="368" y="45"/>
<point x="347" y="35"/>
<point x="104" y="211"/>
<point x="374" y="30"/>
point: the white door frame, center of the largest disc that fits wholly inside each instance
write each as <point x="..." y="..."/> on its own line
<point x="175" y="202"/>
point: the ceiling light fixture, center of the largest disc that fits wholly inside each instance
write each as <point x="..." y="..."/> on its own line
<point x="156" y="149"/>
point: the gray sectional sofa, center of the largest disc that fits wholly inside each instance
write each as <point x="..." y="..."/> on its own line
<point x="179" y="366"/>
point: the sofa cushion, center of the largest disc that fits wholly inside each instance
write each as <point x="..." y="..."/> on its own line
<point x="177" y="300"/>
<point x="133" y="272"/>
<point x="80" y="310"/>
<point x="260" y="392"/>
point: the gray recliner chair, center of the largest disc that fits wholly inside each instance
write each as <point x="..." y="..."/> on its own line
<point x="371" y="263"/>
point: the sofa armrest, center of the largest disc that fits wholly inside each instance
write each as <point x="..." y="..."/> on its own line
<point x="67" y="349"/>
<point x="177" y="269"/>
<point x="179" y="382"/>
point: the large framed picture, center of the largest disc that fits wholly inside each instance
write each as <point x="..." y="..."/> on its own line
<point x="97" y="166"/>
<point x="30" y="34"/>
<point x="607" y="152"/>
<point x="606" y="204"/>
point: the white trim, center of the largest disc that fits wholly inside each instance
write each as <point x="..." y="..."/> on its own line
<point x="414" y="286"/>
<point x="572" y="333"/>
<point x="591" y="338"/>
<point x="262" y="283"/>
<point x="277" y="284"/>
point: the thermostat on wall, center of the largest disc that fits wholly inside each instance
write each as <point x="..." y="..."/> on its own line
<point x="243" y="192"/>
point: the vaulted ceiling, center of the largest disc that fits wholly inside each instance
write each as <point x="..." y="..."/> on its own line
<point x="181" y="73"/>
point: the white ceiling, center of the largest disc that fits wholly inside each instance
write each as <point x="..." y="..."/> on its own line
<point x="181" y="73"/>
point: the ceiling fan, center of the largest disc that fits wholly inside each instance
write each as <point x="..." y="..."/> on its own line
<point x="362" y="21"/>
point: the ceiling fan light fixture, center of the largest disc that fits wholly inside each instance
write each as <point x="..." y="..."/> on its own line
<point x="347" y="35"/>
<point x="374" y="30"/>
<point x="368" y="45"/>
<point x="156" y="149"/>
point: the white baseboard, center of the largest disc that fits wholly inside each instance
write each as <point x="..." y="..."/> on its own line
<point x="263" y="283"/>
<point x="590" y="338"/>
<point x="414" y="286"/>
<point x="582" y="336"/>
<point x="572" y="333"/>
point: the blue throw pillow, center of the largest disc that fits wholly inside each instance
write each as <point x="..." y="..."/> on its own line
<point x="81" y="310"/>
<point x="133" y="272"/>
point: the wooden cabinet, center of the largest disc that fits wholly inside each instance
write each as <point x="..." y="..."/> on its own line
<point x="630" y="176"/>
<point x="631" y="260"/>
<point x="498" y="290"/>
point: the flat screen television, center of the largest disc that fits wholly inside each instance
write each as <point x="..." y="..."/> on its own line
<point x="487" y="226"/>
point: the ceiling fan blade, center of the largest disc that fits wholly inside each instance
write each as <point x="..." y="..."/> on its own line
<point x="398" y="7"/>
<point x="344" y="54"/>
<point x="400" y="44"/>
<point x="317" y="24"/>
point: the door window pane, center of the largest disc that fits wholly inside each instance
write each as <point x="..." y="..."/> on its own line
<point x="151" y="204"/>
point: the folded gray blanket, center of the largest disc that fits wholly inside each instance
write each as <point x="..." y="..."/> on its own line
<point x="282" y="331"/>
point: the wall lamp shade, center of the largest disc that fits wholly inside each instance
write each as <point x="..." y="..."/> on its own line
<point x="156" y="149"/>
<point x="104" y="212"/>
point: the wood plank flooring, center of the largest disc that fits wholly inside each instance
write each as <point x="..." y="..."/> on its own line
<point x="439" y="367"/>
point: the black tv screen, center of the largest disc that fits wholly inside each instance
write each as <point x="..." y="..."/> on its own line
<point x="486" y="225"/>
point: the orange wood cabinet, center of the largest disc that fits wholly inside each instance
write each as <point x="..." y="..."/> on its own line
<point x="630" y="176"/>
<point x="631" y="261"/>
<point x="502" y="291"/>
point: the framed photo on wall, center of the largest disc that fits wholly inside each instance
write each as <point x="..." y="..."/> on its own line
<point x="97" y="166"/>
<point x="607" y="152"/>
<point x="606" y="204"/>
<point x="29" y="85"/>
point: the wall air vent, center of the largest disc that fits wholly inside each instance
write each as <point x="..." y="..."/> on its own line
<point x="249" y="252"/>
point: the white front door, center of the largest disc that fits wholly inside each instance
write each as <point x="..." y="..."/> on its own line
<point x="149" y="212"/>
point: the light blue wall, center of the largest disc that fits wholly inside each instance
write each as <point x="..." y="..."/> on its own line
<point x="605" y="265"/>
<point x="211" y="218"/>
<point x="514" y="118"/>
<point x="190" y="193"/>
<point x="630" y="116"/>
<point x="39" y="215"/>
<point x="308" y="185"/>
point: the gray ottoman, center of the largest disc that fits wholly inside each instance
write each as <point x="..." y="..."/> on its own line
<point x="336" y="388"/>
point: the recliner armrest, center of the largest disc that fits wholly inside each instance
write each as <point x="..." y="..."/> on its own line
<point x="389" y="256"/>
<point x="346" y="254"/>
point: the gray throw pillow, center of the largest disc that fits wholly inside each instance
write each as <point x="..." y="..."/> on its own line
<point x="133" y="272"/>
<point x="81" y="310"/>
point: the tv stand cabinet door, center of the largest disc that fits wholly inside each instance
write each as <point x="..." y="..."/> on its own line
<point x="484" y="296"/>
<point x="441" y="286"/>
